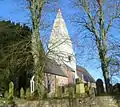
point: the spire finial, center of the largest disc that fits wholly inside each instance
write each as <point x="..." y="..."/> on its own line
<point x="59" y="15"/>
<point x="59" y="10"/>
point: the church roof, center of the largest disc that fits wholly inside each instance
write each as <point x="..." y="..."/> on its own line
<point x="52" y="67"/>
<point x="87" y="77"/>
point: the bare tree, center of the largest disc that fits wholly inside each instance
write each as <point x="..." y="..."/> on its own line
<point x="98" y="18"/>
<point x="114" y="63"/>
<point x="36" y="7"/>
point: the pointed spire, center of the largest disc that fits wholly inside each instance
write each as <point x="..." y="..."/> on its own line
<point x="60" y="43"/>
<point x="59" y="31"/>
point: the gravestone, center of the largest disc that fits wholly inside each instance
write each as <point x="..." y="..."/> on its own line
<point x="80" y="89"/>
<point x="116" y="88"/>
<point x="59" y="91"/>
<point x="32" y="84"/>
<point x="99" y="87"/>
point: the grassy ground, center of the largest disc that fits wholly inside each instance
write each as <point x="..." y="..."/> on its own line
<point x="2" y="102"/>
<point x="22" y="101"/>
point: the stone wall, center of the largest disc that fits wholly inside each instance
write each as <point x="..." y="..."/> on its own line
<point x="108" y="101"/>
<point x="101" y="101"/>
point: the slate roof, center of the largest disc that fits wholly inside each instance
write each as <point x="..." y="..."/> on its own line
<point x="87" y="77"/>
<point x="52" y="67"/>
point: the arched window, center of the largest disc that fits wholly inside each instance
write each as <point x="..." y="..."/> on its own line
<point x="70" y="58"/>
<point x="49" y="86"/>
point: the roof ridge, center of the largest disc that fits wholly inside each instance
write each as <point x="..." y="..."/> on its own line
<point x="85" y="70"/>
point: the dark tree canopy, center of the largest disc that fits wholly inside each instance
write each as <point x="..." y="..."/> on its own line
<point x="16" y="60"/>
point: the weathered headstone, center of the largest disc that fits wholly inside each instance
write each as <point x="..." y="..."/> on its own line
<point x="99" y="87"/>
<point x="116" y="88"/>
<point x="80" y="89"/>
<point x="59" y="91"/>
<point x="32" y="84"/>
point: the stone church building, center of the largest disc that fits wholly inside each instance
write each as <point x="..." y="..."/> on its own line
<point x="61" y="69"/>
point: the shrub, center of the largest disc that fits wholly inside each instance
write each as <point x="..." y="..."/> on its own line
<point x="22" y="93"/>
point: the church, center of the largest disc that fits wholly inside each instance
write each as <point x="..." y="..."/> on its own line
<point x="62" y="69"/>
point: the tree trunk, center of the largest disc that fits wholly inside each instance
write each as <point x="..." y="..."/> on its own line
<point x="103" y="49"/>
<point x="104" y="67"/>
<point x="37" y="47"/>
<point x="99" y="26"/>
<point x="106" y="78"/>
<point x="38" y="56"/>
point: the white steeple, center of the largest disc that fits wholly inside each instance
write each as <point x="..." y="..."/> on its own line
<point x="60" y="44"/>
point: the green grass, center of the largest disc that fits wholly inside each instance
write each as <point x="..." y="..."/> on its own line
<point x="2" y="102"/>
<point x="19" y="101"/>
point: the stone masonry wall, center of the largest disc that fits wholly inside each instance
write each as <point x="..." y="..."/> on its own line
<point x="101" y="101"/>
<point x="108" y="101"/>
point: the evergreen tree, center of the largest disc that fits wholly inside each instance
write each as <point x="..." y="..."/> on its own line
<point x="15" y="54"/>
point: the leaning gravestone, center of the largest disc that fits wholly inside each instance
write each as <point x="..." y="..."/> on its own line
<point x="99" y="87"/>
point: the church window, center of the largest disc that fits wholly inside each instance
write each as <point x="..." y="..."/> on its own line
<point x="69" y="58"/>
<point x="49" y="86"/>
<point x="63" y="89"/>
